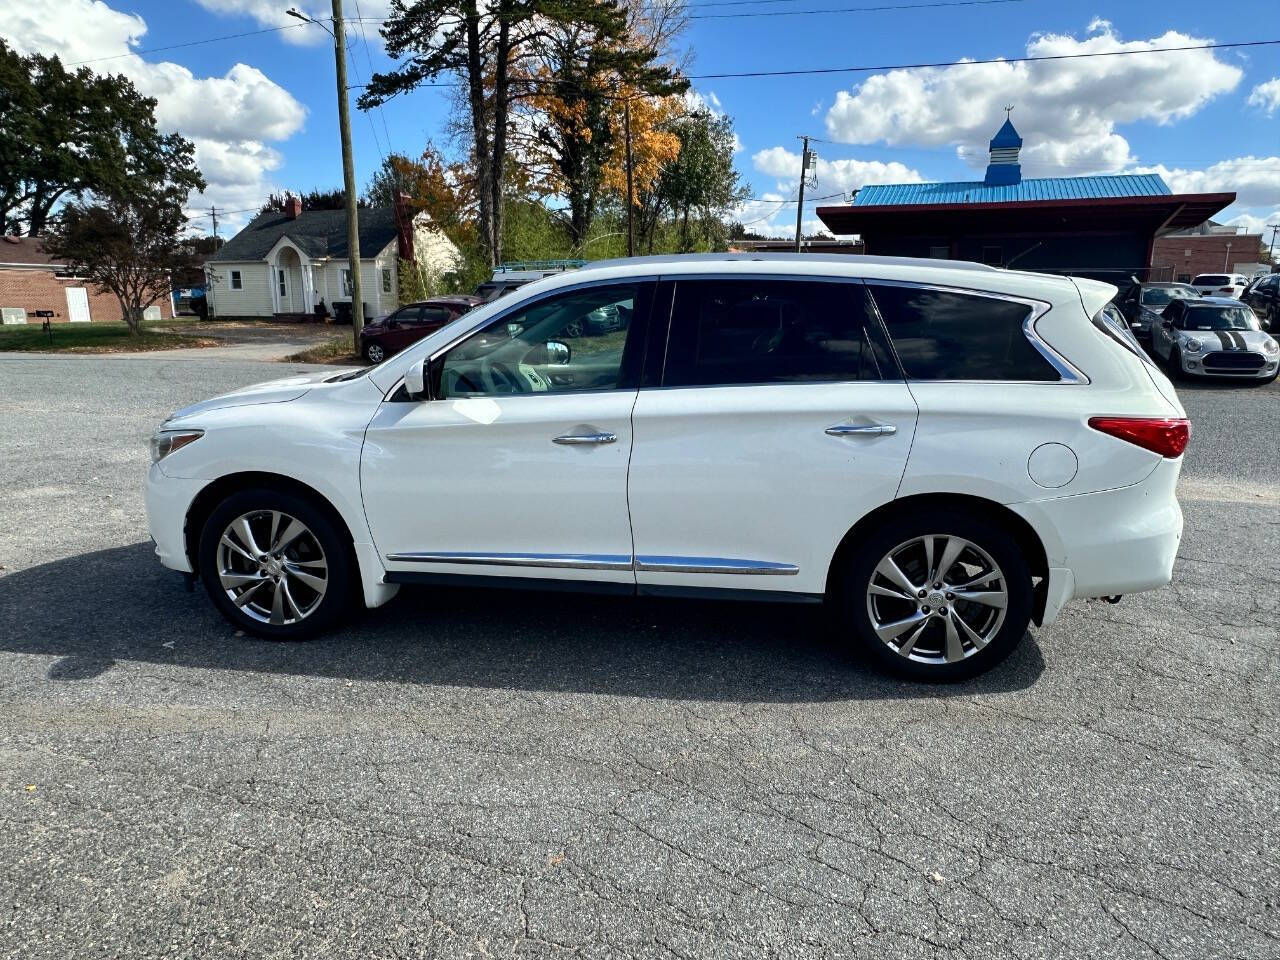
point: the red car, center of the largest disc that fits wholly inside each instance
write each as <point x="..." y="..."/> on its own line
<point x="392" y="333"/>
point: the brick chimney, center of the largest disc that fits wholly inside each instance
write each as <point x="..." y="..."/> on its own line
<point x="292" y="207"/>
<point x="404" y="226"/>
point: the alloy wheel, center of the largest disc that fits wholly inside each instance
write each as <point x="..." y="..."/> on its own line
<point x="937" y="599"/>
<point x="272" y="567"/>
<point x="375" y="353"/>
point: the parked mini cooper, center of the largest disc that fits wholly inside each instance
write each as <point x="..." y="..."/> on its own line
<point x="943" y="452"/>
<point x="1215" y="337"/>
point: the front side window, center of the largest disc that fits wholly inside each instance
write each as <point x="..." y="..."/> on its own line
<point x="949" y="335"/>
<point x="574" y="341"/>
<point x="236" y="282"/>
<point x="406" y="316"/>
<point x="738" y="331"/>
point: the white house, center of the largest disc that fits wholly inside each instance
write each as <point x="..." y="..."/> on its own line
<point x="285" y="262"/>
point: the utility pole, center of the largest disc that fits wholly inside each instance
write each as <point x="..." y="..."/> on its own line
<point x="631" y="232"/>
<point x="1275" y="228"/>
<point x="348" y="165"/>
<point x="804" y="173"/>
<point x="213" y="212"/>
<point x="348" y="174"/>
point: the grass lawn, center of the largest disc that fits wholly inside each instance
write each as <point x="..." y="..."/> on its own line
<point x="337" y="350"/>
<point x="100" y="337"/>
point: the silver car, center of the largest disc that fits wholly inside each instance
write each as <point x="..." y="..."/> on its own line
<point x="1214" y="337"/>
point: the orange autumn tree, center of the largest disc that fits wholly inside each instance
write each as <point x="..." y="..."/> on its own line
<point x="569" y="123"/>
<point x="654" y="146"/>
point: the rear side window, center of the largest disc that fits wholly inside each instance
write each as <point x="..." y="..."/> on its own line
<point x="768" y="331"/>
<point x="947" y="335"/>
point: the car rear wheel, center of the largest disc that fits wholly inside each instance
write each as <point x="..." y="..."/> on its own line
<point x="374" y="352"/>
<point x="275" y="565"/>
<point x="940" y="596"/>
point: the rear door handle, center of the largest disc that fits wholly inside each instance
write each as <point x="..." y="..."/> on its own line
<point x="861" y="430"/>
<point x="583" y="438"/>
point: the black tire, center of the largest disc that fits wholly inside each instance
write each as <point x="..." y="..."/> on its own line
<point x="1174" y="365"/>
<point x="375" y="353"/>
<point x="854" y="580"/>
<point x="330" y="539"/>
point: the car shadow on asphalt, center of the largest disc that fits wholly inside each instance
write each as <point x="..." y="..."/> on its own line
<point x="96" y="609"/>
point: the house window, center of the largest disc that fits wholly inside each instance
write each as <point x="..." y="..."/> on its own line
<point x="386" y="281"/>
<point x="346" y="281"/>
<point x="1184" y="278"/>
<point x="236" y="282"/>
<point x="280" y="277"/>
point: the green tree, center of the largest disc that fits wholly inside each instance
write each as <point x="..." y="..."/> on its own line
<point x="480" y="44"/>
<point x="335" y="199"/>
<point x="131" y="248"/>
<point x="68" y="133"/>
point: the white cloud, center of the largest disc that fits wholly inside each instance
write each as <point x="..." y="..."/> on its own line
<point x="227" y="117"/>
<point x="1254" y="180"/>
<point x="833" y="175"/>
<point x="1266" y="96"/>
<point x="1067" y="110"/>
<point x="1254" y="224"/>
<point x="271" y="13"/>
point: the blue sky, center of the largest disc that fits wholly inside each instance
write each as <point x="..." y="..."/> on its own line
<point x="261" y="108"/>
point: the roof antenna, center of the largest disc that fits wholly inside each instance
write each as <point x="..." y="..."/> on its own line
<point x="1008" y="111"/>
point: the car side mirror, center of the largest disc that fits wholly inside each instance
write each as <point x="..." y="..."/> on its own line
<point x="558" y="353"/>
<point x="415" y="380"/>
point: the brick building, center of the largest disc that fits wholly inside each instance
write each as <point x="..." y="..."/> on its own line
<point x="30" y="281"/>
<point x="1186" y="254"/>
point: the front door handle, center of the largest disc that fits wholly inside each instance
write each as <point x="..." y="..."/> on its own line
<point x="581" y="438"/>
<point x="861" y="430"/>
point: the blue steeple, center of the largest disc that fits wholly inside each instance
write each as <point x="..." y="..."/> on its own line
<point x="1004" y="169"/>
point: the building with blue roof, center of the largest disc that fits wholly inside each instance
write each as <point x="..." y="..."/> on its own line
<point x="1098" y="226"/>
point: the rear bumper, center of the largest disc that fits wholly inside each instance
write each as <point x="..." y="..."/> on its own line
<point x="1110" y="542"/>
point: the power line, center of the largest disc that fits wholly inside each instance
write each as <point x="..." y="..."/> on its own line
<point x="877" y="9"/>
<point x="189" y="43"/>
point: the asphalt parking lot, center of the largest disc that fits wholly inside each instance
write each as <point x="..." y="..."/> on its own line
<point x="466" y="774"/>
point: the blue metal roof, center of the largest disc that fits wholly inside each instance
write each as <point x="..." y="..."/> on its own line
<point x="1048" y="188"/>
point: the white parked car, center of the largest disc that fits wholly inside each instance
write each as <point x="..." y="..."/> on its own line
<point x="943" y="451"/>
<point x="1220" y="284"/>
<point x="1215" y="337"/>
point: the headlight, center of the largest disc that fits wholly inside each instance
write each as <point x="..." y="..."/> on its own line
<point x="1191" y="346"/>
<point x="166" y="442"/>
<point x="1270" y="346"/>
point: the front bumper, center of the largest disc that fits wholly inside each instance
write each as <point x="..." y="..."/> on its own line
<point x="168" y="500"/>
<point x="1194" y="364"/>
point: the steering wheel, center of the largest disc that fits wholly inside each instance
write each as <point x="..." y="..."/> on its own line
<point x="499" y="378"/>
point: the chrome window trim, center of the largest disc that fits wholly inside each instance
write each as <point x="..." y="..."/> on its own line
<point x="1067" y="372"/>
<point x="591" y="561"/>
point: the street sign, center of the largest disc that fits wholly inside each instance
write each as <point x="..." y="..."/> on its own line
<point x="43" y="313"/>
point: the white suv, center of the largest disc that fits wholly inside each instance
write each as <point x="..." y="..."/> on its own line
<point x="943" y="451"/>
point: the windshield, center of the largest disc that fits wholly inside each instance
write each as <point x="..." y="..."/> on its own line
<point x="1161" y="296"/>
<point x="1212" y="280"/>
<point x="1219" y="318"/>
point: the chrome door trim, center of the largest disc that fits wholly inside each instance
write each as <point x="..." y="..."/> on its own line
<point x="593" y="561"/>
<point x="656" y="564"/>
<point x="561" y="561"/>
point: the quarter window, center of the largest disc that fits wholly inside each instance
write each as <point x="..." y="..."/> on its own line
<point x="947" y="335"/>
<point x="575" y="341"/>
<point x="726" y="332"/>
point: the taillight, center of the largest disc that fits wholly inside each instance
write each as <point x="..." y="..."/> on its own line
<point x="1166" y="436"/>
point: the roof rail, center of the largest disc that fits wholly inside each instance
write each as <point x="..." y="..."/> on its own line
<point x="525" y="266"/>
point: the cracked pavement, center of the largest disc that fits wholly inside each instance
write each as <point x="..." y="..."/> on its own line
<point x="471" y="774"/>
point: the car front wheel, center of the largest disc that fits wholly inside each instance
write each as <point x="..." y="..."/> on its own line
<point x="941" y="596"/>
<point x="374" y="352"/>
<point x="274" y="564"/>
